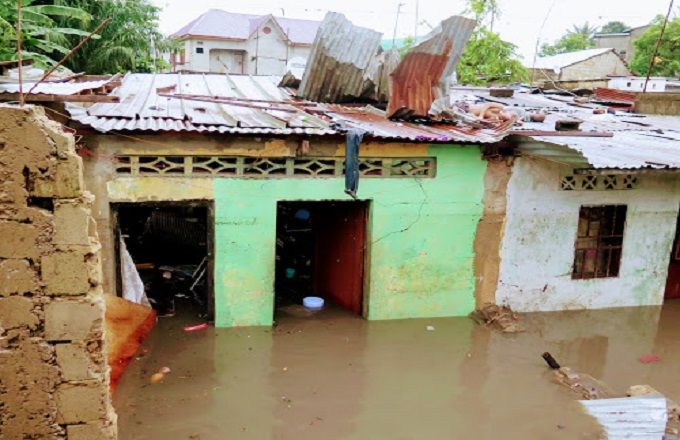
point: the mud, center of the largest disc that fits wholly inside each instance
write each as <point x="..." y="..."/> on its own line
<point x="331" y="375"/>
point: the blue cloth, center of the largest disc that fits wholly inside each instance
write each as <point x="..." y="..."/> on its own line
<point x="353" y="140"/>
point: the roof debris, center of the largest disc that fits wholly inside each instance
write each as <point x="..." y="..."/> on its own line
<point x="342" y="64"/>
<point x="423" y="76"/>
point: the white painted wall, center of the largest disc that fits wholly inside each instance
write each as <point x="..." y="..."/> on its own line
<point x="637" y="84"/>
<point x="537" y="248"/>
<point x="265" y="54"/>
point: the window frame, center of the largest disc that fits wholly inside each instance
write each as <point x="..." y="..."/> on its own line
<point x="590" y="248"/>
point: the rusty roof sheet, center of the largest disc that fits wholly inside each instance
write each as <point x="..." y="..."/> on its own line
<point x="374" y="122"/>
<point x="423" y="75"/>
<point x="614" y="96"/>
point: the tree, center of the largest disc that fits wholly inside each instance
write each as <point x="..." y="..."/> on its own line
<point x="667" y="62"/>
<point x="579" y="37"/>
<point x="489" y="59"/>
<point x="614" y="27"/>
<point x="43" y="40"/>
<point x="131" y="41"/>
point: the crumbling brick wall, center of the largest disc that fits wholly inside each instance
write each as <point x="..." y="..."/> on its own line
<point x="53" y="370"/>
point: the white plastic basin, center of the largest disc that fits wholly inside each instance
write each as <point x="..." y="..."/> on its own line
<point x="313" y="302"/>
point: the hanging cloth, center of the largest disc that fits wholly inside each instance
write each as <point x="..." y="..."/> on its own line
<point x="353" y="140"/>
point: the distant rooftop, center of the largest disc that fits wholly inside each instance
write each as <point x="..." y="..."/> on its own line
<point x="216" y="23"/>
<point x="558" y="62"/>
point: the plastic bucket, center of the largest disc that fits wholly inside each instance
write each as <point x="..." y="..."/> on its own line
<point x="313" y="302"/>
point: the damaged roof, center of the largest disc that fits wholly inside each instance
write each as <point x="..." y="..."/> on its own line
<point x="633" y="142"/>
<point x="216" y="23"/>
<point x="243" y="104"/>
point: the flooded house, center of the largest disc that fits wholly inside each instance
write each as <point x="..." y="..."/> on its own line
<point x="589" y="211"/>
<point x="253" y="189"/>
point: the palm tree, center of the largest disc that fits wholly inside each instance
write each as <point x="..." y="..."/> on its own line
<point x="585" y="30"/>
<point x="43" y="41"/>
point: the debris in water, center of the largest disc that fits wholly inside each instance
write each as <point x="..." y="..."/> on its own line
<point x="284" y="369"/>
<point x="503" y="318"/>
<point x="649" y="358"/>
<point x="552" y="363"/>
<point x="672" y="408"/>
<point x="195" y="328"/>
<point x="160" y="375"/>
<point x="584" y="385"/>
<point x="430" y="328"/>
<point x="629" y="417"/>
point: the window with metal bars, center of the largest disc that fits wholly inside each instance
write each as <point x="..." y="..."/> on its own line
<point x="599" y="241"/>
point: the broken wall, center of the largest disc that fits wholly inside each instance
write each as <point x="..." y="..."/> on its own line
<point x="537" y="251"/>
<point x="490" y="230"/>
<point x="53" y="371"/>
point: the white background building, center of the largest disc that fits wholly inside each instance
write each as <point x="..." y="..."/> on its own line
<point x="221" y="42"/>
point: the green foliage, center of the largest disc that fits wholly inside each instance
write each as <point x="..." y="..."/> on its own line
<point x="43" y="41"/>
<point x="482" y="9"/>
<point x="131" y="41"/>
<point x="489" y="59"/>
<point x="408" y="43"/>
<point x="614" y="27"/>
<point x="667" y="62"/>
<point x="579" y="37"/>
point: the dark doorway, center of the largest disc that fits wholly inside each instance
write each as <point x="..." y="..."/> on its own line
<point x="320" y="251"/>
<point x="170" y="245"/>
<point x="673" y="282"/>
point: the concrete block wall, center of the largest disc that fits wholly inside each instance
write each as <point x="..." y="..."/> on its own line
<point x="53" y="372"/>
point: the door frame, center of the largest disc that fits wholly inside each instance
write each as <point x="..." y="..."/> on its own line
<point x="365" y="267"/>
<point x="210" y="240"/>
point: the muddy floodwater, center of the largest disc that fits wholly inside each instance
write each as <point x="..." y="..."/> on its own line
<point x="334" y="376"/>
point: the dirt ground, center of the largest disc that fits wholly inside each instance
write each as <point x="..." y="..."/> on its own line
<point x="334" y="376"/>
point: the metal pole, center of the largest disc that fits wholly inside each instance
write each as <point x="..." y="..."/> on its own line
<point x="21" y="79"/>
<point x="415" y="29"/>
<point x="396" y="22"/>
<point x="658" y="44"/>
<point x="71" y="52"/>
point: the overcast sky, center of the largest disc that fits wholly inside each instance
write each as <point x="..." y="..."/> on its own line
<point x="520" y="21"/>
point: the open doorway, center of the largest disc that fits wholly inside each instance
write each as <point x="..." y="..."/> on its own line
<point x="673" y="282"/>
<point x="168" y="248"/>
<point x="320" y="251"/>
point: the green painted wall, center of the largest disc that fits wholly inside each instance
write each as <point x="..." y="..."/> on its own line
<point x="421" y="233"/>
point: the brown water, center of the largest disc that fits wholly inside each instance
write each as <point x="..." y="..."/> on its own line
<point x="334" y="376"/>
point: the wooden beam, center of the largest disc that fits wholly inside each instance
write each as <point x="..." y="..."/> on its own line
<point x="46" y="97"/>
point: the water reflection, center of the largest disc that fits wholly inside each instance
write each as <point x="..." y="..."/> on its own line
<point x="332" y="376"/>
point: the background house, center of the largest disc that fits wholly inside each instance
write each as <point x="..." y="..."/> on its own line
<point x="623" y="43"/>
<point x="582" y="69"/>
<point x="220" y="42"/>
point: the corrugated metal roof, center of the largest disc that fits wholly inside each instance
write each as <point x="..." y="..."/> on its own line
<point x="423" y="75"/>
<point x="637" y="141"/>
<point x="339" y="60"/>
<point x="54" y="88"/>
<point x="560" y="61"/>
<point x="614" y="96"/>
<point x="374" y="122"/>
<point x="141" y="107"/>
<point x="642" y="418"/>
<point x="217" y="23"/>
